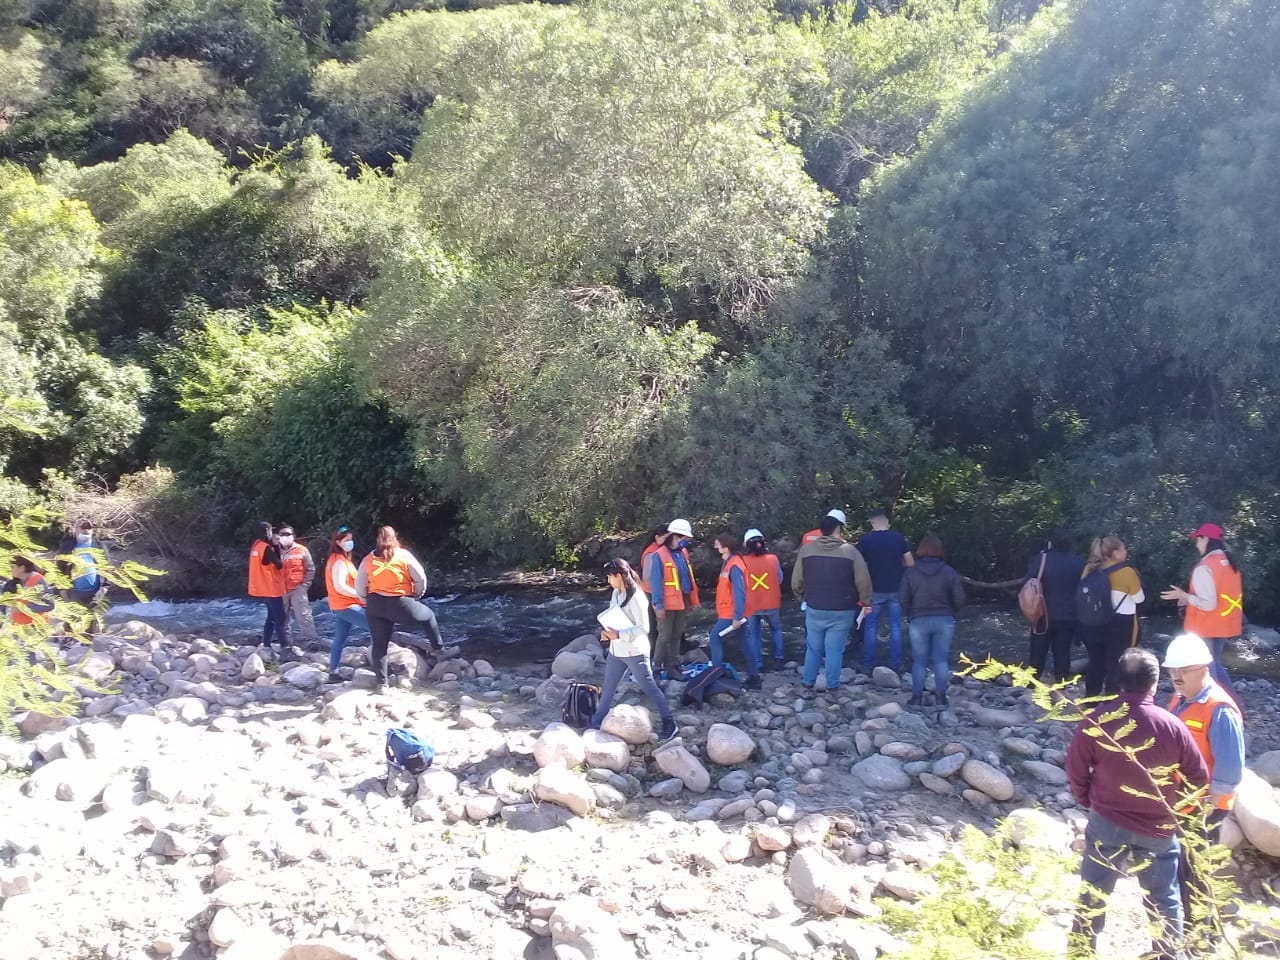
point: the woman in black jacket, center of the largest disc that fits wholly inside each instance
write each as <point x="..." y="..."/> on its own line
<point x="931" y="593"/>
<point x="1059" y="581"/>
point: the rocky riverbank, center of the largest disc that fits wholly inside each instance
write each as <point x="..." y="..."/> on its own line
<point x="216" y="805"/>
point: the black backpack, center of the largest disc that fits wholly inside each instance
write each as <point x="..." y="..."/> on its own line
<point x="580" y="704"/>
<point x="708" y="683"/>
<point x="1093" y="597"/>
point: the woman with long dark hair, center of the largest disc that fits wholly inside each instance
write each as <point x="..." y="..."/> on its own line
<point x="345" y="604"/>
<point x="390" y="580"/>
<point x="1213" y="601"/>
<point x="629" y="647"/>
<point x="1104" y="644"/>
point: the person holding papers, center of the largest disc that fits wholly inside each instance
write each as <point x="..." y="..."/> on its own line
<point x="624" y="631"/>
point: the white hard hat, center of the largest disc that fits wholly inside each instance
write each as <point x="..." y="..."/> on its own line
<point x="752" y="534"/>
<point x="681" y="527"/>
<point x="838" y="514"/>
<point x="1187" y="650"/>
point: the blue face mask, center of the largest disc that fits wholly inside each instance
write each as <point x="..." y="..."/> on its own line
<point x="84" y="539"/>
<point x="348" y="545"/>
<point x="682" y="544"/>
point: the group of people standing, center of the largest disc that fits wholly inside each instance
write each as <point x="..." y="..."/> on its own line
<point x="31" y="598"/>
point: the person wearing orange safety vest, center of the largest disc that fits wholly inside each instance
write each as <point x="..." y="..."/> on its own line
<point x="673" y="593"/>
<point x="35" y="607"/>
<point x="390" y="580"/>
<point x="646" y="565"/>
<point x="764" y="595"/>
<point x="814" y="534"/>
<point x="299" y="570"/>
<point x="266" y="583"/>
<point x="731" y="608"/>
<point x="1214" y="721"/>
<point x="1212" y="601"/>
<point x="344" y="603"/>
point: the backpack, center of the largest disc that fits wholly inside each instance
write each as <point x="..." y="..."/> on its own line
<point x="580" y="705"/>
<point x="708" y="683"/>
<point x="408" y="751"/>
<point x="1031" y="600"/>
<point x="1093" y="597"/>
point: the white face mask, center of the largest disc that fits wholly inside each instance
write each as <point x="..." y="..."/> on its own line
<point x="348" y="545"/>
<point x="286" y="541"/>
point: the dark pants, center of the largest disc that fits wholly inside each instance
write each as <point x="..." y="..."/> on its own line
<point x="1058" y="638"/>
<point x="1104" y="645"/>
<point x="1194" y="890"/>
<point x="615" y="668"/>
<point x="1218" y="669"/>
<point x="666" y="655"/>
<point x="383" y="613"/>
<point x="275" y="621"/>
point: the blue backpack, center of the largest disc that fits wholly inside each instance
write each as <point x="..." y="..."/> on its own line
<point x="408" y="751"/>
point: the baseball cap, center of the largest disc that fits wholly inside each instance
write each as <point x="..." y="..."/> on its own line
<point x="752" y="534"/>
<point x="839" y="515"/>
<point x="1210" y="530"/>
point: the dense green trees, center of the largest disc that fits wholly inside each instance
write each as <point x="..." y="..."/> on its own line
<point x="542" y="270"/>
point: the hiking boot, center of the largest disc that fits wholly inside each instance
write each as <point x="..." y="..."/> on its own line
<point x="942" y="701"/>
<point x="915" y="702"/>
<point x="668" y="731"/>
<point x="334" y="678"/>
<point x="752" y="682"/>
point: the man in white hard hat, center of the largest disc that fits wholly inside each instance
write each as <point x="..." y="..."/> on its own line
<point x="674" y="593"/>
<point x="835" y="514"/>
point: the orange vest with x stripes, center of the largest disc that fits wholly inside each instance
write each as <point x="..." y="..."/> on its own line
<point x="1227" y="618"/>
<point x="764" y="592"/>
<point x="390" y="578"/>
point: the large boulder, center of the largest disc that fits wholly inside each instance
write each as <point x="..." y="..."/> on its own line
<point x="574" y="666"/>
<point x="727" y="745"/>
<point x="1258" y="813"/>
<point x="632" y="723"/>
<point x="72" y="780"/>
<point x="1267" y="766"/>
<point x="1035" y="829"/>
<point x="879" y="772"/>
<point x="559" y="745"/>
<point x="987" y="779"/>
<point x="605" y="751"/>
<point x="817" y="879"/>
<point x="675" y="761"/>
<point x="136" y="631"/>
<point x="555" y="784"/>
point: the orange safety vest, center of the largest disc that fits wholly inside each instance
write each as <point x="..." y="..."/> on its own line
<point x="811" y="536"/>
<point x="672" y="596"/>
<point x="340" y="569"/>
<point x="21" y="613"/>
<point x="390" y="578"/>
<point x="264" y="581"/>
<point x="724" y="587"/>
<point x="763" y="590"/>
<point x="295" y="567"/>
<point x="648" y="551"/>
<point x="1198" y="716"/>
<point x="1227" y="618"/>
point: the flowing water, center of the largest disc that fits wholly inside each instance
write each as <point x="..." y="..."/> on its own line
<point x="526" y="626"/>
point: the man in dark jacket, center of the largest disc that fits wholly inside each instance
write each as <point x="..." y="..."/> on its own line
<point x="1058" y="583"/>
<point x="831" y="577"/>
<point x="1126" y="820"/>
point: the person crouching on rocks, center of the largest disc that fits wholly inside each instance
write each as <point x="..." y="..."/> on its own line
<point x="629" y="648"/>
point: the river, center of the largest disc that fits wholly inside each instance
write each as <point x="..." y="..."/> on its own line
<point x="529" y="626"/>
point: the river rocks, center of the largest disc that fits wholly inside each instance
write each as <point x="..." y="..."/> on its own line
<point x="632" y="723"/>
<point x="559" y="744"/>
<point x="908" y="885"/>
<point x="1020" y="747"/>
<point x="819" y="880"/>
<point x="1036" y="829"/>
<point x="574" y="666"/>
<point x="1045" y="772"/>
<point x="991" y="717"/>
<point x="605" y="751"/>
<point x="305" y="678"/>
<point x="811" y="831"/>
<point x="252" y="668"/>
<point x="226" y="928"/>
<point x="34" y="723"/>
<point x="136" y="631"/>
<point x="948" y="765"/>
<point x="727" y="745"/>
<point x="172" y="844"/>
<point x="581" y="929"/>
<point x="72" y="780"/>
<point x="879" y="772"/>
<point x="1267" y="766"/>
<point x="474" y="718"/>
<point x="906" y="752"/>
<point x="886" y="678"/>
<point x="1258" y="813"/>
<point x="770" y="838"/>
<point x="987" y="779"/>
<point x="734" y="782"/>
<point x="675" y="761"/>
<point x="555" y="784"/>
<point x="936" y="784"/>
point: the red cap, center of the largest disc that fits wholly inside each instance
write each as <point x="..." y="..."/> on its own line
<point x="1210" y="530"/>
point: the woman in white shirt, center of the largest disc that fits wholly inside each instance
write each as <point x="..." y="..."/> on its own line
<point x="1104" y="644"/>
<point x="629" y="648"/>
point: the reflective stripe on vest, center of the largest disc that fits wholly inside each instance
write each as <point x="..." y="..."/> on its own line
<point x="763" y="590"/>
<point x="390" y="578"/>
<point x="724" y="587"/>
<point x="672" y="595"/>
<point x="264" y="581"/>
<point x="1227" y="618"/>
<point x="20" y="612"/>
<point x="340" y="569"/>
<point x="1198" y="717"/>
<point x="809" y="537"/>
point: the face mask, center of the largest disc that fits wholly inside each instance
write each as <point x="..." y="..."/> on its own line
<point x="84" y="539"/>
<point x="682" y="544"/>
<point x="348" y="545"/>
<point x="286" y="541"/>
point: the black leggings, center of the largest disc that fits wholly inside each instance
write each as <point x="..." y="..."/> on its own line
<point x="1104" y="645"/>
<point x="383" y="613"/>
<point x="1057" y="637"/>
<point x="275" y="621"/>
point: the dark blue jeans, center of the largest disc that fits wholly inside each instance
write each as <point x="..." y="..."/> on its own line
<point x="826" y="634"/>
<point x="750" y="644"/>
<point x="931" y="646"/>
<point x="275" y="621"/>
<point x="774" y="619"/>
<point x="1218" y="669"/>
<point x="871" y="631"/>
<point x="641" y="670"/>
<point x="1108" y="851"/>
<point x="343" y="621"/>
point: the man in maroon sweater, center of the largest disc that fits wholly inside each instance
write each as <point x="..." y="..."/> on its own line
<point x="1125" y="827"/>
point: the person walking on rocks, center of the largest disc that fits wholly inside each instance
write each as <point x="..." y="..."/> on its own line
<point x="629" y="648"/>
<point x="764" y="595"/>
<point x="887" y="554"/>
<point x="344" y="603"/>
<point x="674" y="593"/>
<point x="1105" y="643"/>
<point x="731" y="608"/>
<point x="1214" y="722"/>
<point x="1212" y="603"/>
<point x="931" y="594"/>
<point x="266" y="583"/>
<point x="1131" y="809"/>
<point x="390" y="580"/>
<point x="299" y="569"/>
<point x="831" y="579"/>
<point x="1059" y="570"/>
